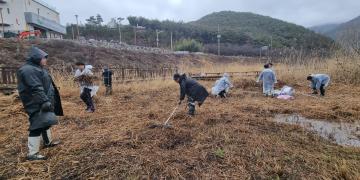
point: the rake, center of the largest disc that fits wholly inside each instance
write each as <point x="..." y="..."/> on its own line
<point x="165" y="125"/>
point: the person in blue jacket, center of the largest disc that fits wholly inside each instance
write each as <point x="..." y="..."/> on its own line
<point x="319" y="82"/>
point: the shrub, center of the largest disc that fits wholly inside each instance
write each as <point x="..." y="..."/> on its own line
<point x="188" y="45"/>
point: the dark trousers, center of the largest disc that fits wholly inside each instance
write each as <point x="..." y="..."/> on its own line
<point x="222" y="94"/>
<point x="38" y="132"/>
<point x="322" y="90"/>
<point x="86" y="97"/>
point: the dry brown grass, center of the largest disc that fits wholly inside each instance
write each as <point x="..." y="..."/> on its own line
<point x="346" y="69"/>
<point x="228" y="139"/>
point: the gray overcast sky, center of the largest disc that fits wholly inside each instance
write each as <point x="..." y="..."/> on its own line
<point x="302" y="12"/>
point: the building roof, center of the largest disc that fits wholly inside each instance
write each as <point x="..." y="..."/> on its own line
<point x="46" y="5"/>
<point x="35" y="19"/>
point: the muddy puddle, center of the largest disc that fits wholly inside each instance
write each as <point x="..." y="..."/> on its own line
<point x="345" y="134"/>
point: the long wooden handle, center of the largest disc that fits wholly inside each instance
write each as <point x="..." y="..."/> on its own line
<point x="171" y="114"/>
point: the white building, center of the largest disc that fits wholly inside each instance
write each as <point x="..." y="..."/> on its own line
<point x="29" y="15"/>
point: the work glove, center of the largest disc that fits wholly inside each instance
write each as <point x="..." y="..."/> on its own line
<point x="46" y="107"/>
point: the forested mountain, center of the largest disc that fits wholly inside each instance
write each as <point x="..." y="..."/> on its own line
<point x="326" y="29"/>
<point x="346" y="34"/>
<point x="246" y="29"/>
<point x="241" y="33"/>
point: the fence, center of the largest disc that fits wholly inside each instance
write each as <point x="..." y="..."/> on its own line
<point x="216" y="75"/>
<point x="8" y="75"/>
<point x="123" y="74"/>
<point x="120" y="74"/>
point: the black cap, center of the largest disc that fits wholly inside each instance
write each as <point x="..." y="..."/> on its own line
<point x="266" y="66"/>
<point x="309" y="78"/>
<point x="79" y="63"/>
<point x="176" y="76"/>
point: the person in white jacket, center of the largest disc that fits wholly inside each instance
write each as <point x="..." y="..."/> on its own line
<point x="268" y="77"/>
<point x="84" y="77"/>
<point x="222" y="86"/>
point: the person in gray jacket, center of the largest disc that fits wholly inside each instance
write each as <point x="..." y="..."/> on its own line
<point x="319" y="82"/>
<point x="192" y="89"/>
<point x="41" y="101"/>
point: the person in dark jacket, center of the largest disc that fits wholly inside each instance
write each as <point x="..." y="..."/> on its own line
<point x="193" y="90"/>
<point x="41" y="101"/>
<point x="107" y="76"/>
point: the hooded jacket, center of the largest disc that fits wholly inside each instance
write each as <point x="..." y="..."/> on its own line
<point x="36" y="87"/>
<point x="222" y="84"/>
<point x="268" y="78"/>
<point x="318" y="80"/>
<point x="192" y="89"/>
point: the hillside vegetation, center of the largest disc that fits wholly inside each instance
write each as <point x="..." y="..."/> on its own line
<point x="242" y="33"/>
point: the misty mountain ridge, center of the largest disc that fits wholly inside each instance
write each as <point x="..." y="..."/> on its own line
<point x="338" y="30"/>
<point x="326" y="29"/>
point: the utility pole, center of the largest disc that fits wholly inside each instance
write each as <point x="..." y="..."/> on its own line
<point x="77" y="26"/>
<point x="219" y="37"/>
<point x="2" y="23"/>
<point x="157" y="38"/>
<point x="270" y="50"/>
<point x="72" y="32"/>
<point x="357" y="42"/>
<point x="135" y="29"/>
<point x="171" y="40"/>
<point x="120" y="19"/>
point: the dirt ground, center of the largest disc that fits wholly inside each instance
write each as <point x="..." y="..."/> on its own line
<point x="234" y="138"/>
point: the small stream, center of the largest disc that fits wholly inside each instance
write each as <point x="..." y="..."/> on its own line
<point x="345" y="134"/>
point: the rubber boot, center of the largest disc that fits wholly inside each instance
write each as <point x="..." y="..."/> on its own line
<point x="47" y="138"/>
<point x="191" y="106"/>
<point x="34" y="147"/>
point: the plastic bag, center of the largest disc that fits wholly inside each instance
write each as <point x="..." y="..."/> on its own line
<point x="287" y="90"/>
